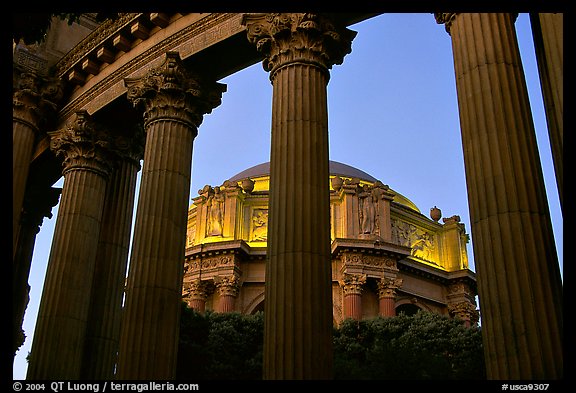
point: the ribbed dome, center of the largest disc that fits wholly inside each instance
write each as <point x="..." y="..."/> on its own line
<point x="336" y="168"/>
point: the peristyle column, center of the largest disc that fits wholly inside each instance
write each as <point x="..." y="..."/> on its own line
<point x="548" y="33"/>
<point x="299" y="50"/>
<point x="33" y="102"/>
<point x="174" y="101"/>
<point x="103" y="332"/>
<point x="59" y="338"/>
<point x="519" y="284"/>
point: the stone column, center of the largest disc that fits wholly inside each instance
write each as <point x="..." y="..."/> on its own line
<point x="174" y="102"/>
<point x="387" y="296"/>
<point x="33" y="102"/>
<point x="548" y="33"/>
<point x="299" y="50"/>
<point x="228" y="288"/>
<point x="38" y="204"/>
<point x="103" y="331"/>
<point x="352" y="286"/>
<point x="519" y="282"/>
<point x="58" y="344"/>
<point x="198" y="293"/>
<point x="464" y="311"/>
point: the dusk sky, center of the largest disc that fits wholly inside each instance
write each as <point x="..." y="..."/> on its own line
<point x="392" y="112"/>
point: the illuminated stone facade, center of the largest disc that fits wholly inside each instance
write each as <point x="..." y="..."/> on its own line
<point x="386" y="254"/>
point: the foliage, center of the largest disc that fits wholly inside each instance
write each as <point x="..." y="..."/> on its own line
<point x="423" y="346"/>
<point x="220" y="345"/>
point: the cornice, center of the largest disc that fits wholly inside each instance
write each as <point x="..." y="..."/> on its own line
<point x="140" y="63"/>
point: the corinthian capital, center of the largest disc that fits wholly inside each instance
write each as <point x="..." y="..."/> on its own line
<point x="83" y="144"/>
<point x="387" y="286"/>
<point x="445" y="18"/>
<point x="353" y="283"/>
<point x="227" y="285"/>
<point x="172" y="92"/>
<point x="35" y="98"/>
<point x="284" y="38"/>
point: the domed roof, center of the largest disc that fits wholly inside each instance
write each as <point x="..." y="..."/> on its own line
<point x="336" y="168"/>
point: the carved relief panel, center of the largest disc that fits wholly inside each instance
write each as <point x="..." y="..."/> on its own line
<point x="423" y="243"/>
<point x="259" y="225"/>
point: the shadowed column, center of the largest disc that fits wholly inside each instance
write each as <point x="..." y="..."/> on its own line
<point x="174" y="101"/>
<point x="103" y="331"/>
<point x="58" y="345"/>
<point x="299" y="50"/>
<point x="33" y="102"/>
<point x="548" y="33"/>
<point x="519" y="283"/>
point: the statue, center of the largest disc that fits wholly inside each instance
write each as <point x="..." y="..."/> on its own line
<point x="215" y="213"/>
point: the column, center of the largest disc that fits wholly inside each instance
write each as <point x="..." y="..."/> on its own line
<point x="228" y="288"/>
<point x="519" y="282"/>
<point x="548" y="33"/>
<point x="198" y="294"/>
<point x="38" y="204"/>
<point x="299" y="50"/>
<point x="33" y="103"/>
<point x="174" y="101"/>
<point x="464" y="311"/>
<point x="352" y="286"/>
<point x="103" y="331"/>
<point x="387" y="296"/>
<point x="58" y="344"/>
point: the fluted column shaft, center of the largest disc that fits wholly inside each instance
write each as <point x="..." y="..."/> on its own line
<point x="519" y="282"/>
<point x="548" y="33"/>
<point x="298" y="308"/>
<point x="174" y="102"/>
<point x="58" y="344"/>
<point x="103" y="332"/>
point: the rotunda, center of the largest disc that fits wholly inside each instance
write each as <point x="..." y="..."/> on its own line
<point x="387" y="257"/>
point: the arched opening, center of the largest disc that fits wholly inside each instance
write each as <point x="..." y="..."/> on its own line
<point x="407" y="309"/>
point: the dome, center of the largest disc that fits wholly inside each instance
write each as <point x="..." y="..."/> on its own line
<point x="336" y="169"/>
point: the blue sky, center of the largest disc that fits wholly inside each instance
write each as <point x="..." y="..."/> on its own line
<point x="393" y="113"/>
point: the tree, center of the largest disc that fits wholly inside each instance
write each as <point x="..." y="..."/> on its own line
<point x="422" y="346"/>
<point x="220" y="345"/>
